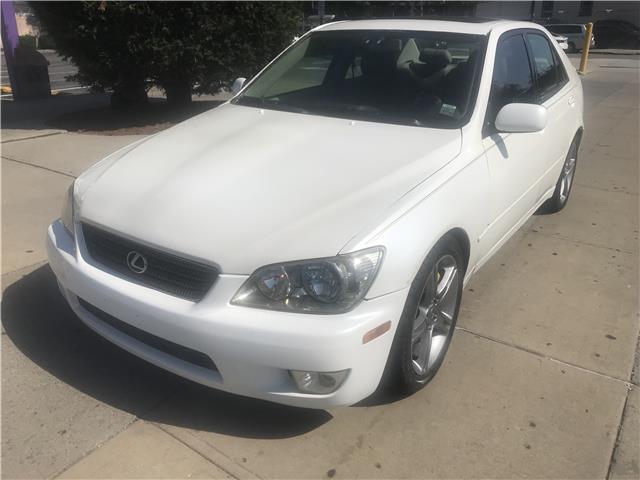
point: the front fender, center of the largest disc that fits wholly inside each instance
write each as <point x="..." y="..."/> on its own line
<point x="455" y="197"/>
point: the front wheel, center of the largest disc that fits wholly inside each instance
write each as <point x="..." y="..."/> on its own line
<point x="428" y="320"/>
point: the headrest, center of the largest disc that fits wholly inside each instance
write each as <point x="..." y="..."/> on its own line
<point x="379" y="58"/>
<point x="436" y="58"/>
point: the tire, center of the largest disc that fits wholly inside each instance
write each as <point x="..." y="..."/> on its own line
<point x="572" y="47"/>
<point x="565" y="182"/>
<point x="408" y="370"/>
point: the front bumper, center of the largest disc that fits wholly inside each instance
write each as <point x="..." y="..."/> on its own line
<point x="252" y="349"/>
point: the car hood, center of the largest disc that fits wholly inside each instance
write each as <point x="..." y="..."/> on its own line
<point x="242" y="187"/>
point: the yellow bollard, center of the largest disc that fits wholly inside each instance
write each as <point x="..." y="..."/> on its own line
<point x="585" y="49"/>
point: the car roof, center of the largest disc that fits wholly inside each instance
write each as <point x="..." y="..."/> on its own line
<point x="563" y="25"/>
<point x="469" y="25"/>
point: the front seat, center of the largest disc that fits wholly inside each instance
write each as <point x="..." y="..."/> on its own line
<point x="434" y="64"/>
<point x="379" y="72"/>
<point x="455" y="88"/>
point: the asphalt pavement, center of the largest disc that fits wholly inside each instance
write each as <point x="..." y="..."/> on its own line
<point x="539" y="382"/>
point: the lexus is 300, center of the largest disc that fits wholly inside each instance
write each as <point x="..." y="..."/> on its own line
<point x="308" y="240"/>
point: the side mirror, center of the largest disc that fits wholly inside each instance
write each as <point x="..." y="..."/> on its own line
<point x="237" y="85"/>
<point x="521" y="118"/>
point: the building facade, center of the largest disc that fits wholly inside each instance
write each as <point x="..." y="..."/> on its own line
<point x="561" y="11"/>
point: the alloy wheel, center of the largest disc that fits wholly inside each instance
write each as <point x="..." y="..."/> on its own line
<point x="434" y="316"/>
<point x="566" y="179"/>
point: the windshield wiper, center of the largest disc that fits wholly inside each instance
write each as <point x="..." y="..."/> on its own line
<point x="269" y="103"/>
<point x="278" y="105"/>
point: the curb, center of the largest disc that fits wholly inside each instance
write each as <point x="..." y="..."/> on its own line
<point x="630" y="53"/>
<point x="19" y="139"/>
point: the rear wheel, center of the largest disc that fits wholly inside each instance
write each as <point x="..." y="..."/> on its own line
<point x="429" y="318"/>
<point x="563" y="187"/>
<point x="572" y="47"/>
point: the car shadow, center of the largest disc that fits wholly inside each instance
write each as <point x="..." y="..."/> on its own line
<point x="41" y="325"/>
<point x="92" y="113"/>
<point x="502" y="147"/>
<point x="36" y="113"/>
<point x="153" y="116"/>
<point x="384" y="395"/>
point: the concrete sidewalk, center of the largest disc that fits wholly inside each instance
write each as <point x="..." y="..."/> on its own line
<point x="539" y="381"/>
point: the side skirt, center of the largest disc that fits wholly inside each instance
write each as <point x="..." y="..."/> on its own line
<point x="470" y="272"/>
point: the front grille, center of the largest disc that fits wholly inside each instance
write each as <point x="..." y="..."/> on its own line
<point x="183" y="353"/>
<point x="165" y="272"/>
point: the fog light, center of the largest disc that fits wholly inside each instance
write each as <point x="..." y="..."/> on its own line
<point x="318" y="382"/>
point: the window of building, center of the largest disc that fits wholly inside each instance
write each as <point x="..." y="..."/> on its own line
<point x="585" y="9"/>
<point x="547" y="9"/>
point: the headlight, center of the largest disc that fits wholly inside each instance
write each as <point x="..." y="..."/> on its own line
<point x="325" y="285"/>
<point x="68" y="211"/>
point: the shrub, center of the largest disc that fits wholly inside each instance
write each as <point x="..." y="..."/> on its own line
<point x="45" y="42"/>
<point x="178" y="46"/>
<point x="27" y="41"/>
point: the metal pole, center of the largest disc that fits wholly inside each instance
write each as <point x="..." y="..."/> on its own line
<point x="10" y="39"/>
<point x="532" y="10"/>
<point x="585" y="49"/>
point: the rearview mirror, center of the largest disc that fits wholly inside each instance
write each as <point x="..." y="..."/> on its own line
<point x="521" y="118"/>
<point x="237" y="85"/>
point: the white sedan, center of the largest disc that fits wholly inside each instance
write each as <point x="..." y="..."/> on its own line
<point x="308" y="241"/>
<point x="562" y="41"/>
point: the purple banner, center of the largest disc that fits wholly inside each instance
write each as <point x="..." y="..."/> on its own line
<point x="10" y="38"/>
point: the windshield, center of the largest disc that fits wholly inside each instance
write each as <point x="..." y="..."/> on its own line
<point x="413" y="78"/>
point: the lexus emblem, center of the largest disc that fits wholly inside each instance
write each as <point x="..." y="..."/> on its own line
<point x="137" y="262"/>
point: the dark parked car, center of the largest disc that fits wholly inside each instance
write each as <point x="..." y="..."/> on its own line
<point x="616" y="34"/>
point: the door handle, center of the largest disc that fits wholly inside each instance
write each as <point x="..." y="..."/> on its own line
<point x="571" y="101"/>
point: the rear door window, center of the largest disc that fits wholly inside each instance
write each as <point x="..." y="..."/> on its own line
<point x="549" y="71"/>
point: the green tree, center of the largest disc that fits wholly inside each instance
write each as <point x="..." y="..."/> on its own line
<point x="182" y="47"/>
